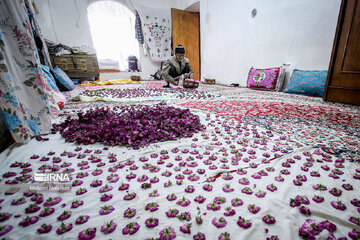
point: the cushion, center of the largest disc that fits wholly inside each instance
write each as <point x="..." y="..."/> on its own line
<point x="62" y="80"/>
<point x="266" y="79"/>
<point x="49" y="77"/>
<point x="307" y="82"/>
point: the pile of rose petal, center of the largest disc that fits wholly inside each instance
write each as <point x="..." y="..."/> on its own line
<point x="135" y="126"/>
<point x="179" y="93"/>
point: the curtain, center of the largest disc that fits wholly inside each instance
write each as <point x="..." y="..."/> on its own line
<point x="112" y="31"/>
<point x="25" y="98"/>
<point x="39" y="40"/>
<point x="138" y="29"/>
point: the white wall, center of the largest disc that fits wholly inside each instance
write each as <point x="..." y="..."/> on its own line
<point x="66" y="22"/>
<point x="299" y="32"/>
<point x="183" y="4"/>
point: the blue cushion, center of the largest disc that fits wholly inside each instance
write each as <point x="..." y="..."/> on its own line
<point x="62" y="80"/>
<point x="49" y="77"/>
<point x="307" y="82"/>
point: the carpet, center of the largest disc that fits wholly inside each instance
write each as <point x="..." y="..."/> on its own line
<point x="268" y="166"/>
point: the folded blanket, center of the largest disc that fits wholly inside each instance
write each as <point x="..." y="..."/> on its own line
<point x="110" y="82"/>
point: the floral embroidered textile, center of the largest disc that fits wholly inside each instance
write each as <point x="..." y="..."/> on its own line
<point x="157" y="32"/>
<point x="24" y="91"/>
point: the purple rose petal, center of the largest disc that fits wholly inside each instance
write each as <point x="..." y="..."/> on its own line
<point x="108" y="227"/>
<point x="82" y="219"/>
<point x="268" y="219"/>
<point x="5" y="229"/>
<point x="219" y="222"/>
<point x="167" y="234"/>
<point x="243" y="223"/>
<point x="64" y="228"/>
<point x="151" y="222"/>
<point x="131" y="228"/>
<point x="87" y="234"/>
<point x="338" y="205"/>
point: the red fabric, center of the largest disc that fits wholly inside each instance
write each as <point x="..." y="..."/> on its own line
<point x="239" y="109"/>
<point x="61" y="105"/>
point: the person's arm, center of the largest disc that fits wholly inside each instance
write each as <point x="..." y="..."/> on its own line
<point x="165" y="72"/>
<point x="191" y="74"/>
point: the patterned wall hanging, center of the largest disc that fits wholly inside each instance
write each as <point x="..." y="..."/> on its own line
<point x="157" y="31"/>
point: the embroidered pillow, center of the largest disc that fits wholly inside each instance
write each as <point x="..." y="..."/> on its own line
<point x="307" y="82"/>
<point x="62" y="80"/>
<point x="49" y="77"/>
<point x="266" y="79"/>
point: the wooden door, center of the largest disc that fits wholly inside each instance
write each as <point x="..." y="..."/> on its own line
<point x="186" y="31"/>
<point x="343" y="82"/>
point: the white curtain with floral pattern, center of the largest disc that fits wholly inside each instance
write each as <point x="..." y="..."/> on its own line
<point x="24" y="93"/>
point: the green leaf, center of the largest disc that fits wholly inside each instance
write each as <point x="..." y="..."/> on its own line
<point x="32" y="79"/>
<point x="3" y="67"/>
<point x="26" y="136"/>
<point x="34" y="86"/>
<point x="16" y="130"/>
<point x="30" y="63"/>
<point x="39" y="91"/>
<point x="28" y="83"/>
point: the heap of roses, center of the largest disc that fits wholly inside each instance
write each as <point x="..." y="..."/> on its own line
<point x="133" y="126"/>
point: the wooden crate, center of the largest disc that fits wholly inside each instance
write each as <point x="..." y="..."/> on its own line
<point x="209" y="81"/>
<point x="190" y="83"/>
<point x="135" y="78"/>
<point x="77" y="65"/>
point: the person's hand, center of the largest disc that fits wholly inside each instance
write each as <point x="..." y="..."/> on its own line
<point x="176" y="82"/>
<point x="186" y="75"/>
<point x="192" y="76"/>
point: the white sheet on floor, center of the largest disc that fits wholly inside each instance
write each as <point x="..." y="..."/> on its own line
<point x="288" y="219"/>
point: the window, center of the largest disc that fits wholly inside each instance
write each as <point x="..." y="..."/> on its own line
<point x="113" y="34"/>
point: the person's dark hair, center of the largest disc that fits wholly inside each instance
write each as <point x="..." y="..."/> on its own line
<point x="180" y="49"/>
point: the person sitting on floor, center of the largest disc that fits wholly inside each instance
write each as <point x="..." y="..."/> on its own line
<point x="176" y="67"/>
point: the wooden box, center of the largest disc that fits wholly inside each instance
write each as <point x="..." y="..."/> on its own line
<point x="135" y="78"/>
<point x="77" y="65"/>
<point x="190" y="83"/>
<point x="209" y="80"/>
